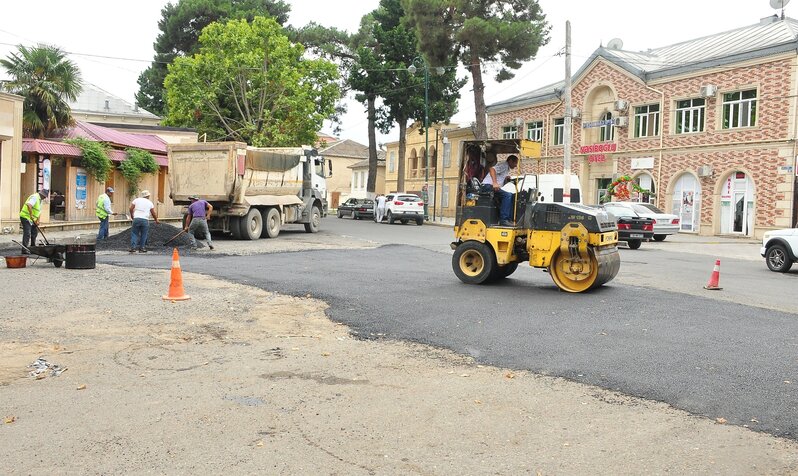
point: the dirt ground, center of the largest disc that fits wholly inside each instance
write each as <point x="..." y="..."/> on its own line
<point x="242" y="380"/>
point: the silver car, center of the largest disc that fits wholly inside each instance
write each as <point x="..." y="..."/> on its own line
<point x="665" y="223"/>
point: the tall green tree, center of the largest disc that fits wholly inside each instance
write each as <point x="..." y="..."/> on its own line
<point x="403" y="96"/>
<point x="181" y="24"/>
<point x="500" y="35"/>
<point x="48" y="81"/>
<point x="249" y="82"/>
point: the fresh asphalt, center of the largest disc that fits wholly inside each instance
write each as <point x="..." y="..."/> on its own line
<point x="709" y="356"/>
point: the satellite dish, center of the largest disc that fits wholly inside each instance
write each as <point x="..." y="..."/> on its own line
<point x="617" y="43"/>
<point x="776" y="4"/>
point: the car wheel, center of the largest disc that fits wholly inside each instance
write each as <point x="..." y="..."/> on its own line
<point x="419" y="221"/>
<point x="777" y="259"/>
<point x="404" y="222"/>
<point x="634" y="244"/>
<point x="659" y="237"/>
<point x="271" y="224"/>
<point x="389" y="216"/>
<point x="473" y="262"/>
<point x="315" y="220"/>
<point x="251" y="225"/>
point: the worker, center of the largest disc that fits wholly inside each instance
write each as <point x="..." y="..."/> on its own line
<point x="141" y="209"/>
<point x="380" y="209"/>
<point x="198" y="213"/>
<point x="29" y="218"/>
<point x="494" y="180"/>
<point x="103" y="212"/>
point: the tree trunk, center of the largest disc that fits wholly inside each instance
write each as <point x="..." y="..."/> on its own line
<point x="371" y="184"/>
<point x="481" y="131"/>
<point x="400" y="168"/>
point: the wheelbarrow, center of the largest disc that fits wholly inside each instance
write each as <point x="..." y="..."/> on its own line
<point x="55" y="254"/>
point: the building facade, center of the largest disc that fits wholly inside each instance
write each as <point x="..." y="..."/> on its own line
<point x="10" y="164"/>
<point x="440" y="173"/>
<point x="707" y="126"/>
<point x="360" y="176"/>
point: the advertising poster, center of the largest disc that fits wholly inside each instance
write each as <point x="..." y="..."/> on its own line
<point x="80" y="189"/>
<point x="43" y="178"/>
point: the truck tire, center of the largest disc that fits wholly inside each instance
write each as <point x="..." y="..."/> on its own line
<point x="251" y="225"/>
<point x="271" y="223"/>
<point x="235" y="227"/>
<point x="315" y="220"/>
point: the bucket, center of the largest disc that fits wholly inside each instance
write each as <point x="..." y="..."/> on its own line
<point x="80" y="257"/>
<point x="16" y="261"/>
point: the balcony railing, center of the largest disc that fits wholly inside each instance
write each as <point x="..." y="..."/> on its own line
<point x="420" y="173"/>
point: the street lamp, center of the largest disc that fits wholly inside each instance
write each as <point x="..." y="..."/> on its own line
<point x="412" y="70"/>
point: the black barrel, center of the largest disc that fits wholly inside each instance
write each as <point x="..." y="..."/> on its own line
<point x="80" y="257"/>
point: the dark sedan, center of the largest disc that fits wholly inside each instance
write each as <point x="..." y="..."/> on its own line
<point x="357" y="208"/>
<point x="632" y="228"/>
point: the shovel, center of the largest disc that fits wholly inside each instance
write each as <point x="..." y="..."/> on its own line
<point x="174" y="237"/>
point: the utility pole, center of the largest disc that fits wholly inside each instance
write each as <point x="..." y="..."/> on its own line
<point x="566" y="165"/>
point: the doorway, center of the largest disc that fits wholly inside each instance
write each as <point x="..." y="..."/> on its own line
<point x="737" y="205"/>
<point x="687" y="202"/>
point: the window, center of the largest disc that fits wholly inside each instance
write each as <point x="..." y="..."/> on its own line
<point x="534" y="131"/>
<point x="559" y="131"/>
<point x="392" y="162"/>
<point x="444" y="195"/>
<point x="447" y="154"/>
<point x="690" y="115"/>
<point x="510" y="132"/>
<point x="607" y="132"/>
<point x="647" y="120"/>
<point x="601" y="188"/>
<point x="739" y="109"/>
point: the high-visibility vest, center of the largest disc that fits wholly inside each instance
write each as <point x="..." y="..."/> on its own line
<point x="102" y="214"/>
<point x="37" y="208"/>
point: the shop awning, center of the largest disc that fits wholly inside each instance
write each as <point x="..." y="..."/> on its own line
<point x="51" y="147"/>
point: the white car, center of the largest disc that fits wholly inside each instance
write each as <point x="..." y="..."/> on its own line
<point x="404" y="207"/>
<point x="780" y="249"/>
<point x="664" y="223"/>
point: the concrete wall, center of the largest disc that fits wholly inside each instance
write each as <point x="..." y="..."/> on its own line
<point x="10" y="155"/>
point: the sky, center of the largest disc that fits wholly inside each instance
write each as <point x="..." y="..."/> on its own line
<point x="111" y="42"/>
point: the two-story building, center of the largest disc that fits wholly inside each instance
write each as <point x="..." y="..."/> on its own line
<point x="708" y="126"/>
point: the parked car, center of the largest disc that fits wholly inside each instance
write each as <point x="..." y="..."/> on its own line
<point x="780" y="249"/>
<point x="356" y="208"/>
<point x="632" y="228"/>
<point x="664" y="223"/>
<point x="404" y="207"/>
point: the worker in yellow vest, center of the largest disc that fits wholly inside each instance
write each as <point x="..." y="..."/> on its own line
<point x="29" y="217"/>
<point x="103" y="212"/>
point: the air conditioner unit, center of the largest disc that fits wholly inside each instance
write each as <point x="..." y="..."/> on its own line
<point x="576" y="113"/>
<point x="621" y="105"/>
<point x="708" y="91"/>
<point x="620" y="122"/>
<point x="705" y="171"/>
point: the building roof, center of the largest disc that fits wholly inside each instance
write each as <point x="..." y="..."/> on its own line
<point x="768" y="37"/>
<point x="113" y="137"/>
<point x="62" y="149"/>
<point x="94" y="99"/>
<point x="365" y="163"/>
<point x="346" y="149"/>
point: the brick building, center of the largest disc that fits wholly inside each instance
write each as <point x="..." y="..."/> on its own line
<point x="708" y="126"/>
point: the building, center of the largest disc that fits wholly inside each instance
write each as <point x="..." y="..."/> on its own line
<point x="360" y="176"/>
<point x="440" y="173"/>
<point x="708" y="126"/>
<point x="343" y="154"/>
<point x="10" y="165"/>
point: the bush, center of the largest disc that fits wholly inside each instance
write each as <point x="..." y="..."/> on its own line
<point x="95" y="157"/>
<point x="138" y="162"/>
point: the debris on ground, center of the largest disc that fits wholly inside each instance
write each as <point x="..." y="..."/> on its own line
<point x="158" y="234"/>
<point x="41" y="367"/>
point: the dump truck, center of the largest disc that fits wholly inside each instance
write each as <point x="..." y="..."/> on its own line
<point x="254" y="191"/>
<point x="576" y="244"/>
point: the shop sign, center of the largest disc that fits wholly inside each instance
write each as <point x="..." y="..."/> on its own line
<point x="43" y="178"/>
<point x="606" y="122"/>
<point x="80" y="189"/>
<point x="596" y="148"/>
<point x="725" y="194"/>
<point x="595" y="158"/>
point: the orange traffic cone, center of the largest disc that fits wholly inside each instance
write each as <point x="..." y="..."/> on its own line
<point x="176" y="292"/>
<point x="712" y="285"/>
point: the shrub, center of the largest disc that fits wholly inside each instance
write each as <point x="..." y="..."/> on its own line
<point x="95" y="157"/>
<point x="138" y="162"/>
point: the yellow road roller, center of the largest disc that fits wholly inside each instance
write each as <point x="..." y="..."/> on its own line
<point x="574" y="243"/>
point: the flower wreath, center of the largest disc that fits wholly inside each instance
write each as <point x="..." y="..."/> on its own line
<point x="622" y="189"/>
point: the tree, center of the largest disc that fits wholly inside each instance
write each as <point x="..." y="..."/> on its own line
<point x="48" y="81"/>
<point x="505" y="32"/>
<point x="181" y="24"/>
<point x="248" y="82"/>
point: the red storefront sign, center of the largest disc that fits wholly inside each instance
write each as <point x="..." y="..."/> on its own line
<point x="596" y="158"/>
<point x="596" y="148"/>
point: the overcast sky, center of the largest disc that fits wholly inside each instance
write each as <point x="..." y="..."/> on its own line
<point x="97" y="31"/>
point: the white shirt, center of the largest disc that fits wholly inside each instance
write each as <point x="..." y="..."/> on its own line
<point x="381" y="201"/>
<point x="502" y="169"/>
<point x="143" y="207"/>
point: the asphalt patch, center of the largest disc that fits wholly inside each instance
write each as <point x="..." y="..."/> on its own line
<point x="158" y="234"/>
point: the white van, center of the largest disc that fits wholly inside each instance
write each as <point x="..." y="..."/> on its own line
<point x="550" y="189"/>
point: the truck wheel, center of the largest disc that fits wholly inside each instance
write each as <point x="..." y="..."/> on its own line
<point x="235" y="227"/>
<point x="251" y="225"/>
<point x="634" y="244"/>
<point x="271" y="224"/>
<point x="777" y="259"/>
<point x="473" y="262"/>
<point x="315" y="220"/>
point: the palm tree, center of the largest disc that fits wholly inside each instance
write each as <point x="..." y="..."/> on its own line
<point x="47" y="80"/>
